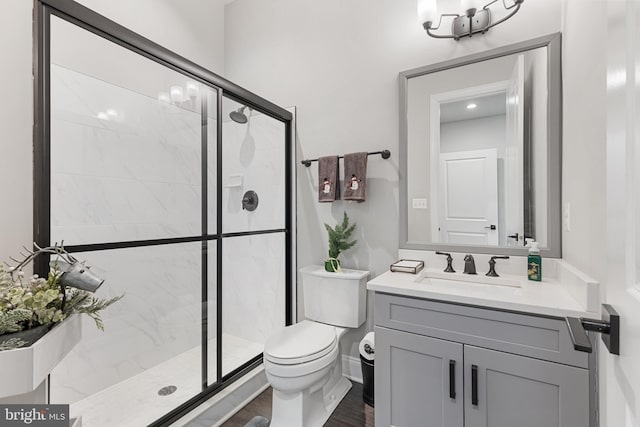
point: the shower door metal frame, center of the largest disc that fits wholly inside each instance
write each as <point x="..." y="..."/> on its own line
<point x="95" y="23"/>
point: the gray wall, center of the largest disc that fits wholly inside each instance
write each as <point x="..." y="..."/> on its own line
<point x="191" y="28"/>
<point x="474" y="134"/>
<point x="584" y="158"/>
<point x="16" y="119"/>
<point x="338" y="62"/>
<point x="584" y="138"/>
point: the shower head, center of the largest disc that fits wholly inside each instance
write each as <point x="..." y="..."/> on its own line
<point x="238" y="116"/>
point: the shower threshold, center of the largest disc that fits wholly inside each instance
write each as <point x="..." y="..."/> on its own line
<point x="136" y="401"/>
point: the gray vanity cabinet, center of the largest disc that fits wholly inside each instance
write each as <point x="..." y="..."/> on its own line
<point x="425" y="380"/>
<point x="524" y="392"/>
<point x="440" y="365"/>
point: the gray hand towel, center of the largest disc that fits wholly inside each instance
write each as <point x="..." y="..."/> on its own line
<point x="329" y="179"/>
<point x="355" y="176"/>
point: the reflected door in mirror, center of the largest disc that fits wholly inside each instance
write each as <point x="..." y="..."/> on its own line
<point x="469" y="194"/>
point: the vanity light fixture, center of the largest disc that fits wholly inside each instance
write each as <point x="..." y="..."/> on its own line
<point x="177" y="94"/>
<point x="476" y="17"/>
<point x="192" y="90"/>
<point x="164" y="97"/>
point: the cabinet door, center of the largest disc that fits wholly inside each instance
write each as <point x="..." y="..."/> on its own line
<point x="505" y="390"/>
<point x="418" y="380"/>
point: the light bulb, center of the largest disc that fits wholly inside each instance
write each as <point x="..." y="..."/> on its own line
<point x="192" y="89"/>
<point x="427" y="11"/>
<point x="164" y="97"/>
<point x="177" y="94"/>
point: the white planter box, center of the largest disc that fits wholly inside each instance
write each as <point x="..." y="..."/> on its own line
<point x="22" y="370"/>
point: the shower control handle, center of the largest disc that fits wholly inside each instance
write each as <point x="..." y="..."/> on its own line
<point x="250" y="201"/>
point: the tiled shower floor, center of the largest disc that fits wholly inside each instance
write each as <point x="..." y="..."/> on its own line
<point x="135" y="401"/>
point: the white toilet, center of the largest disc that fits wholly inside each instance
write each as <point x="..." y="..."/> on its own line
<point x="303" y="362"/>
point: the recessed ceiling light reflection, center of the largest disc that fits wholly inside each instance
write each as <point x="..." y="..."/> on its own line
<point x="471" y="106"/>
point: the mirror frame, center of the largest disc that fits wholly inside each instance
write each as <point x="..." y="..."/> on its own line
<point x="553" y="43"/>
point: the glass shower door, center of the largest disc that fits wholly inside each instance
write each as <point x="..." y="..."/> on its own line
<point x="128" y="194"/>
<point x="253" y="260"/>
<point x="133" y="174"/>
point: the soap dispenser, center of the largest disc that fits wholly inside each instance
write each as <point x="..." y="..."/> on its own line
<point x="534" y="265"/>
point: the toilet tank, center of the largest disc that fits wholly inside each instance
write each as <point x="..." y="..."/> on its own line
<point x="338" y="299"/>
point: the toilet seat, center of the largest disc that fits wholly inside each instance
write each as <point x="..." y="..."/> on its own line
<point x="301" y="369"/>
<point x="300" y="343"/>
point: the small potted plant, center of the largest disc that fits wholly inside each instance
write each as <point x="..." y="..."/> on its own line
<point x="338" y="242"/>
<point x="30" y="307"/>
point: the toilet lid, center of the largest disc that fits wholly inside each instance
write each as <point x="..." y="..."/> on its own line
<point x="300" y="343"/>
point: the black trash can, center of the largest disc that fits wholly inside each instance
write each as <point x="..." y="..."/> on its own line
<point x="367" y="380"/>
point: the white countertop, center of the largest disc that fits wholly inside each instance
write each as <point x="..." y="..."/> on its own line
<point x="549" y="297"/>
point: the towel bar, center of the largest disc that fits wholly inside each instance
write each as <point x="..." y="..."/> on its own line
<point x="384" y="153"/>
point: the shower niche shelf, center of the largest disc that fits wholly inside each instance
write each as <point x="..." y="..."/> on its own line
<point x="234" y="181"/>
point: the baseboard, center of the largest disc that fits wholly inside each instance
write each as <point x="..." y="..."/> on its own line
<point x="351" y="368"/>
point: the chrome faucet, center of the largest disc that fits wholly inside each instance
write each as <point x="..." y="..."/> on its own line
<point x="469" y="265"/>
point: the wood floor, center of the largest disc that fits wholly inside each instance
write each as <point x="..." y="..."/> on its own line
<point x="351" y="412"/>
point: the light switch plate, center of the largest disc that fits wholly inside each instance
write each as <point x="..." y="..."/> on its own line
<point x="419" y="203"/>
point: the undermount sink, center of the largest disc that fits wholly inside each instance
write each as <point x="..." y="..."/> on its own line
<point x="449" y="279"/>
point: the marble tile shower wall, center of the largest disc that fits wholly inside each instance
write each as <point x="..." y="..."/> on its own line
<point x="133" y="176"/>
<point x="254" y="159"/>
<point x="137" y="176"/>
<point x="253" y="288"/>
<point x="158" y="319"/>
<point x="254" y="266"/>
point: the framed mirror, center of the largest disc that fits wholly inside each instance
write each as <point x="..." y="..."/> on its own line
<point x="480" y="151"/>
